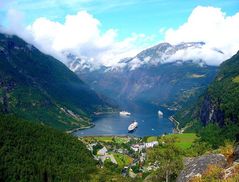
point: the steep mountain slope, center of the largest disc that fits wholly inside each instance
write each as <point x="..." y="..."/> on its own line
<point x="150" y="77"/>
<point x="42" y="89"/>
<point x="220" y="103"/>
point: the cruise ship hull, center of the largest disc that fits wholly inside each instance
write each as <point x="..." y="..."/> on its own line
<point x="132" y="126"/>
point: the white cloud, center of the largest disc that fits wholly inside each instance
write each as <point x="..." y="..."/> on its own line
<point x="80" y="35"/>
<point x="205" y="53"/>
<point x="212" y="26"/>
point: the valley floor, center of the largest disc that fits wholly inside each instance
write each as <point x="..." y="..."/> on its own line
<point x="129" y="153"/>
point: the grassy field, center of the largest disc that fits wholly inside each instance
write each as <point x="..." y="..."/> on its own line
<point x="236" y="79"/>
<point x="122" y="159"/>
<point x="104" y="138"/>
<point x="152" y="138"/>
<point x="185" y="139"/>
<point x="107" y="139"/>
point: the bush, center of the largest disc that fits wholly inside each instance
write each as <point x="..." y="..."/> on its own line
<point x="215" y="136"/>
<point x="228" y="150"/>
<point x="212" y="173"/>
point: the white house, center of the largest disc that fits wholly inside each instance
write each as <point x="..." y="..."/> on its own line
<point x="151" y="144"/>
<point x="102" y="151"/>
<point x="137" y="147"/>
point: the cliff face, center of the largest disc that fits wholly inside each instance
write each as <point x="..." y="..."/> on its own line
<point x="220" y="103"/>
<point x="210" y="112"/>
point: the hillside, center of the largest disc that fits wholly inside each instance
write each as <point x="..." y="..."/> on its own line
<point x="39" y="88"/>
<point x="219" y="104"/>
<point x="31" y="152"/>
<point x="221" y="101"/>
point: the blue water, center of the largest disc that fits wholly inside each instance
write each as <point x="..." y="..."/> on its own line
<point x="149" y="124"/>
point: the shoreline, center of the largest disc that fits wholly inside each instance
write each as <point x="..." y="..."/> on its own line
<point x="105" y="113"/>
<point x="176" y="123"/>
<point x="91" y="125"/>
<point x="121" y="136"/>
<point x="81" y="128"/>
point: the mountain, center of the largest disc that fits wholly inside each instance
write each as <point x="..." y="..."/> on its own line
<point x="40" y="88"/>
<point x="161" y="53"/>
<point x="32" y="152"/>
<point x="153" y="77"/>
<point x="220" y="103"/>
<point x="80" y="64"/>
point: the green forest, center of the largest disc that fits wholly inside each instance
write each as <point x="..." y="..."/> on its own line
<point x="31" y="152"/>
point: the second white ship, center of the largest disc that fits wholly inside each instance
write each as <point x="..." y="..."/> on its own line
<point x="124" y="113"/>
<point x="160" y="113"/>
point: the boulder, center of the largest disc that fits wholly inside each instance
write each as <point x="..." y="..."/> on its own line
<point x="196" y="166"/>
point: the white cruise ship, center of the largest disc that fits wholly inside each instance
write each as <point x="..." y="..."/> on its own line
<point x="124" y="113"/>
<point x="132" y="126"/>
<point x="160" y="113"/>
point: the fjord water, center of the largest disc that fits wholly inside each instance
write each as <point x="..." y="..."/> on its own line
<point x="149" y="123"/>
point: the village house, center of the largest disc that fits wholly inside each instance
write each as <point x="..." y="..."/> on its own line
<point x="102" y="151"/>
<point x="140" y="147"/>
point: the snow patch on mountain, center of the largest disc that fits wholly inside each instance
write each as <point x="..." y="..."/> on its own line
<point x="197" y="52"/>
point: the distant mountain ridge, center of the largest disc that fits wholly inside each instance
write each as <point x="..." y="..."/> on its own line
<point x="40" y="88"/>
<point x="159" y="54"/>
<point x="151" y="78"/>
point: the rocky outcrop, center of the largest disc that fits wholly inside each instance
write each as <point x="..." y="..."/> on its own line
<point x="5" y="87"/>
<point x="196" y="166"/>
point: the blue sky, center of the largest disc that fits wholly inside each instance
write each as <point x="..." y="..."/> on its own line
<point x="139" y="16"/>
